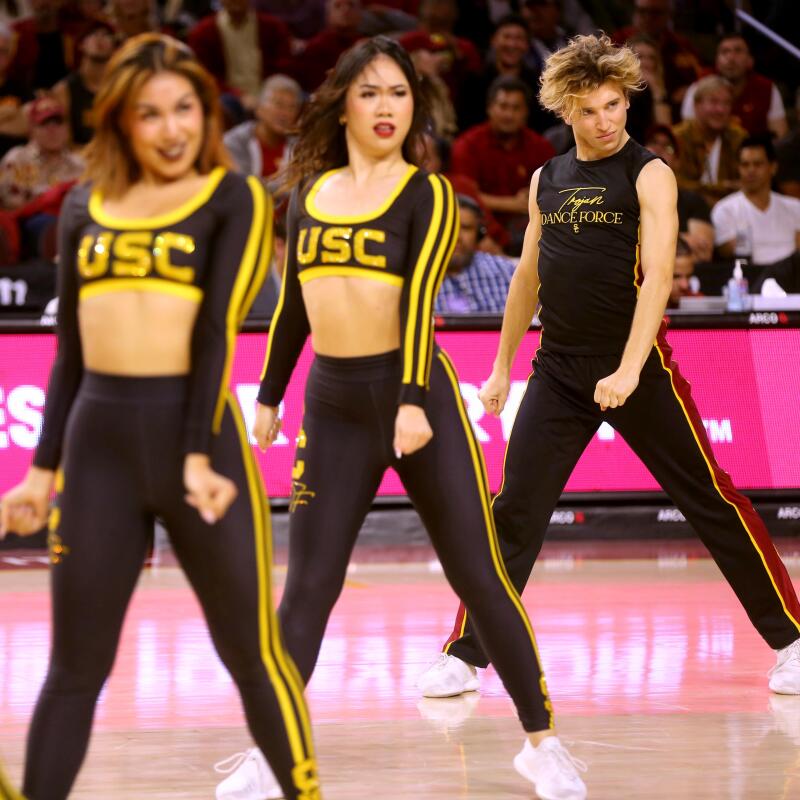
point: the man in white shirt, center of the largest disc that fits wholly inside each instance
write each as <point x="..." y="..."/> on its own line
<point x="756" y="222"/>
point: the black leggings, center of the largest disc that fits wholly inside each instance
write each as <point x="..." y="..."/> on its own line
<point x="555" y="422"/>
<point x="122" y="467"/>
<point x="344" y="448"/>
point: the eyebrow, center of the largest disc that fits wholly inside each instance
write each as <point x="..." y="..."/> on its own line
<point x="375" y="86"/>
<point x="141" y="106"/>
<point x="591" y="108"/>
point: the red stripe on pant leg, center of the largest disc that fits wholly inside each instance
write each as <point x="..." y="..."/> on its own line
<point x="458" y="628"/>
<point x="752" y="521"/>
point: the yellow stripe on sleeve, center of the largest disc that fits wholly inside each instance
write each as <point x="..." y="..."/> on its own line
<point x="243" y="278"/>
<point x="420" y="269"/>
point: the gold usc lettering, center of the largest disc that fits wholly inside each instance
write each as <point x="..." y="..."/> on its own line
<point x="339" y="245"/>
<point x="135" y="254"/>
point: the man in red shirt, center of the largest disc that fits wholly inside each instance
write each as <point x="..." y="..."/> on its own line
<point x="501" y="154"/>
<point x="241" y="47"/>
<point x="757" y="103"/>
<point x="323" y="50"/>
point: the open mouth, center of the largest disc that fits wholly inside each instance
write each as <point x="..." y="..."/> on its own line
<point x="172" y="154"/>
<point x="384" y="129"/>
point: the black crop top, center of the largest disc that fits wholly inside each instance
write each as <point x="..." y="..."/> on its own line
<point x="407" y="242"/>
<point x="214" y="249"/>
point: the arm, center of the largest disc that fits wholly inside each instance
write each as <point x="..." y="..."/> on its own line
<point x="24" y="507"/>
<point x="523" y="297"/>
<point x="776" y="116"/>
<point x="433" y="235"/>
<point x="507" y="204"/>
<point x="288" y="332"/>
<point x="238" y="262"/>
<point x="724" y="221"/>
<point x="658" y="198"/>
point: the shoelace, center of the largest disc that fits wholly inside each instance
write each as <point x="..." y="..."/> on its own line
<point x="567" y="761"/>
<point x="441" y="662"/>
<point x="236" y="761"/>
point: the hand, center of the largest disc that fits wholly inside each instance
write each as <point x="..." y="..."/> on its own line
<point x="207" y="491"/>
<point x="494" y="392"/>
<point x="267" y="426"/>
<point x="25" y="507"/>
<point x="412" y="431"/>
<point x="613" y="391"/>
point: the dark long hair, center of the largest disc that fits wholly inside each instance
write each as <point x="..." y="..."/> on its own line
<point x="321" y="143"/>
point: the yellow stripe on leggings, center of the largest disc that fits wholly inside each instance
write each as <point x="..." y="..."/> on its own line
<point x="285" y="679"/>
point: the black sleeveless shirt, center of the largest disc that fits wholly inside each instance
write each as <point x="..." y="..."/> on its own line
<point x="589" y="265"/>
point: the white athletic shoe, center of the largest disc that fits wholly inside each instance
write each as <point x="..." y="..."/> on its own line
<point x="551" y="770"/>
<point x="448" y="676"/>
<point x="249" y="778"/>
<point x="784" y="677"/>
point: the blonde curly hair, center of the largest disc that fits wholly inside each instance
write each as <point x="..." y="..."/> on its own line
<point x="582" y="66"/>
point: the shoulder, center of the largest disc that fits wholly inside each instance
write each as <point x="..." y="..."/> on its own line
<point x="656" y="183"/>
<point x="472" y="135"/>
<point x="74" y="212"/>
<point x="426" y="184"/>
<point x="266" y="22"/>
<point x="237" y="193"/>
<point x="791" y="204"/>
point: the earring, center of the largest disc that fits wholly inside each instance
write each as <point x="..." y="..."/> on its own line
<point x="342" y="120"/>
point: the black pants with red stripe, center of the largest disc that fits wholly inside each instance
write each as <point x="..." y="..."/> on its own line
<point x="123" y="466"/>
<point x="344" y="448"/>
<point x="555" y="422"/>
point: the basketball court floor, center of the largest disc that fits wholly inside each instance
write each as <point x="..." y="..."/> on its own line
<point x="658" y="680"/>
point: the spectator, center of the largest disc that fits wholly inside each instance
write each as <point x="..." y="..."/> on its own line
<point x="429" y="67"/>
<point x="650" y="106"/>
<point x="46" y="44"/>
<point x="13" y="94"/>
<point x="461" y="61"/>
<point x="681" y="62"/>
<point x="509" y="45"/>
<point x="757" y="103"/>
<point x="322" y="52"/>
<point x="682" y="275"/>
<point x="502" y="154"/>
<point x="241" y="47"/>
<point x="544" y="30"/>
<point x="756" y="222"/>
<point x="304" y="19"/>
<point x="260" y="147"/>
<point x="709" y="143"/>
<point x="76" y="92"/>
<point x="28" y="170"/>
<point x="694" y="214"/>
<point x="475" y="282"/>
<point x="132" y="17"/>
<point x="436" y="158"/>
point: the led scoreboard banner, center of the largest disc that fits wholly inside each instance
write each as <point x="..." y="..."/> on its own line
<point x="745" y="381"/>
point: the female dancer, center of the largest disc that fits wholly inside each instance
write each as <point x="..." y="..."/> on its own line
<point x="139" y="416"/>
<point x="369" y="238"/>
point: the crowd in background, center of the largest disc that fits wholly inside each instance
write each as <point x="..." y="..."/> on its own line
<point x="718" y="104"/>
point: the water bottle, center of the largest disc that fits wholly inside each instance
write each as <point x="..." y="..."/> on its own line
<point x="738" y="298"/>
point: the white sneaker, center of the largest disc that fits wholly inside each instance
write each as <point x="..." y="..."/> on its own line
<point x="448" y="676"/>
<point x="784" y="677"/>
<point x="249" y="778"/>
<point x="551" y="770"/>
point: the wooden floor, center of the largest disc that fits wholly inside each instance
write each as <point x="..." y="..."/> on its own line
<point x="658" y="681"/>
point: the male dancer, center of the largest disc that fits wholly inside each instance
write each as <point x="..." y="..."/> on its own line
<point x="598" y="254"/>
